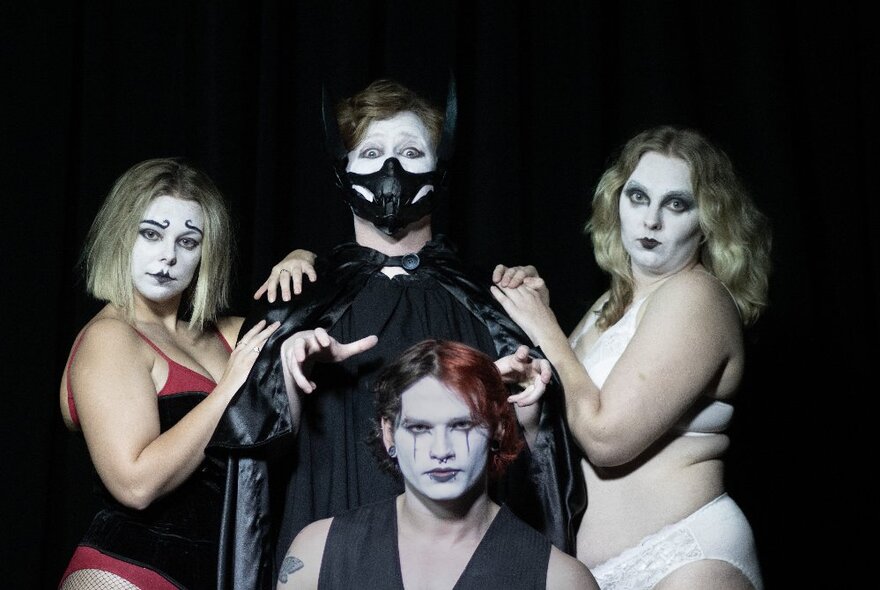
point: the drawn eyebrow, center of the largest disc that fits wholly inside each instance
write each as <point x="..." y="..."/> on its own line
<point x="188" y="223"/>
<point x="163" y="225"/>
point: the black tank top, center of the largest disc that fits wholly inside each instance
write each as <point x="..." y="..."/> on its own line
<point x="361" y="552"/>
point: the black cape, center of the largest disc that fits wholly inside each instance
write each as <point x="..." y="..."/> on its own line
<point x="544" y="487"/>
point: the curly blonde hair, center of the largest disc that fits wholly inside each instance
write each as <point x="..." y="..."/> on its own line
<point x="736" y="235"/>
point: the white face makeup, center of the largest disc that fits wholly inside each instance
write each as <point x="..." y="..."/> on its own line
<point x="168" y="248"/>
<point x="659" y="221"/>
<point x="442" y="452"/>
<point x="404" y="137"/>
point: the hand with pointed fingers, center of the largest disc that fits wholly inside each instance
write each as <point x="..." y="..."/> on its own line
<point x="288" y="275"/>
<point x="303" y="349"/>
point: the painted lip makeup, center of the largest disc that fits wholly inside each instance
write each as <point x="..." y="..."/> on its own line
<point x="648" y="243"/>
<point x="162" y="277"/>
<point x="442" y="475"/>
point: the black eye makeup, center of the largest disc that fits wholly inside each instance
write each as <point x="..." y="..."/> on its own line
<point x="636" y="195"/>
<point x="679" y="202"/>
<point x="149" y="233"/>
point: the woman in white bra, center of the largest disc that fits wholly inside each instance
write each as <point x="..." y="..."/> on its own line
<point x="651" y="370"/>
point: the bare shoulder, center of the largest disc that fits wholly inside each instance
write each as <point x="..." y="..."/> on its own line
<point x="698" y="283"/>
<point x="109" y="339"/>
<point x="591" y="312"/>
<point x="564" y="572"/>
<point x="314" y="533"/>
<point x="696" y="292"/>
<point x="106" y="348"/>
<point x="301" y="566"/>
<point x="229" y="327"/>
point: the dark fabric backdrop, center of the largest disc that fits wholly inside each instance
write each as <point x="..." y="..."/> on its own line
<point x="547" y="90"/>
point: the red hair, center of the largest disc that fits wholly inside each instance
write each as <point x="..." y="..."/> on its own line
<point x="465" y="370"/>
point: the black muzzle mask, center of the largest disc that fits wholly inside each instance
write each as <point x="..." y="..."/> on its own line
<point x="394" y="191"/>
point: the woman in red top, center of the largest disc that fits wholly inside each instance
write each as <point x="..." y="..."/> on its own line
<point x="149" y="376"/>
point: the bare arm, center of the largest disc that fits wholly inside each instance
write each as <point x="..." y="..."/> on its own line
<point x="564" y="572"/>
<point x="301" y="565"/>
<point x="689" y="330"/>
<point x="118" y="411"/>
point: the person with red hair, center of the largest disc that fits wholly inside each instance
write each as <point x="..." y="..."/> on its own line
<point x="444" y="424"/>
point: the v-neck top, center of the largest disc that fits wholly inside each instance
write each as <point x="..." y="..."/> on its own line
<point x="362" y="552"/>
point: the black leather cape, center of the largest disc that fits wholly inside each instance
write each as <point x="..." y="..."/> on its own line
<point x="256" y="429"/>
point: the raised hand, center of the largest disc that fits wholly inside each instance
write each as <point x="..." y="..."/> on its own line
<point x="529" y="306"/>
<point x="533" y="375"/>
<point x="530" y="373"/>
<point x="289" y="273"/>
<point x="304" y="349"/>
<point x="245" y="353"/>
<point x="512" y="276"/>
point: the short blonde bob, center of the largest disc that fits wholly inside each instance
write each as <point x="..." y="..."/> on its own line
<point x="106" y="257"/>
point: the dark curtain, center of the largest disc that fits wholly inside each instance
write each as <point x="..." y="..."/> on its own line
<point x="547" y="90"/>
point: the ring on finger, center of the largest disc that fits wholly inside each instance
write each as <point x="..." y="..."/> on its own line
<point x="283" y="270"/>
<point x="256" y="349"/>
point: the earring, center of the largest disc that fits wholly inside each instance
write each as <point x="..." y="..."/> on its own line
<point x="392" y="451"/>
<point x="495" y="445"/>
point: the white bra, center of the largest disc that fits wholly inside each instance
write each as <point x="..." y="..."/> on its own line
<point x="708" y="416"/>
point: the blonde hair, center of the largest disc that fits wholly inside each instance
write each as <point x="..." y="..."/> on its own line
<point x="381" y="100"/>
<point x="106" y="256"/>
<point x="736" y="235"/>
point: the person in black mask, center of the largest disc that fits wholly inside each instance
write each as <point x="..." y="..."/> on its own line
<point x="295" y="436"/>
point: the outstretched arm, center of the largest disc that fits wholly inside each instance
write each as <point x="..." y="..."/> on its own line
<point x="289" y="273"/>
<point x="304" y="349"/>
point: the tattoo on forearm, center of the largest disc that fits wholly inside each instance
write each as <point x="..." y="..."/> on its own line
<point x="288" y="566"/>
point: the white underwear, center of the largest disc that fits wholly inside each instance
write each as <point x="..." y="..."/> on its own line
<point x="718" y="530"/>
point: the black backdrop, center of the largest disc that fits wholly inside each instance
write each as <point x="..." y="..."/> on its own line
<point x="546" y="91"/>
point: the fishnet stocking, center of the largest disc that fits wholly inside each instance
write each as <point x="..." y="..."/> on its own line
<point x="96" y="580"/>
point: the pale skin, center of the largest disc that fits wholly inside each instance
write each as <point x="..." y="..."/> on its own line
<point x="688" y="345"/>
<point x="115" y="375"/>
<point x="440" y="520"/>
